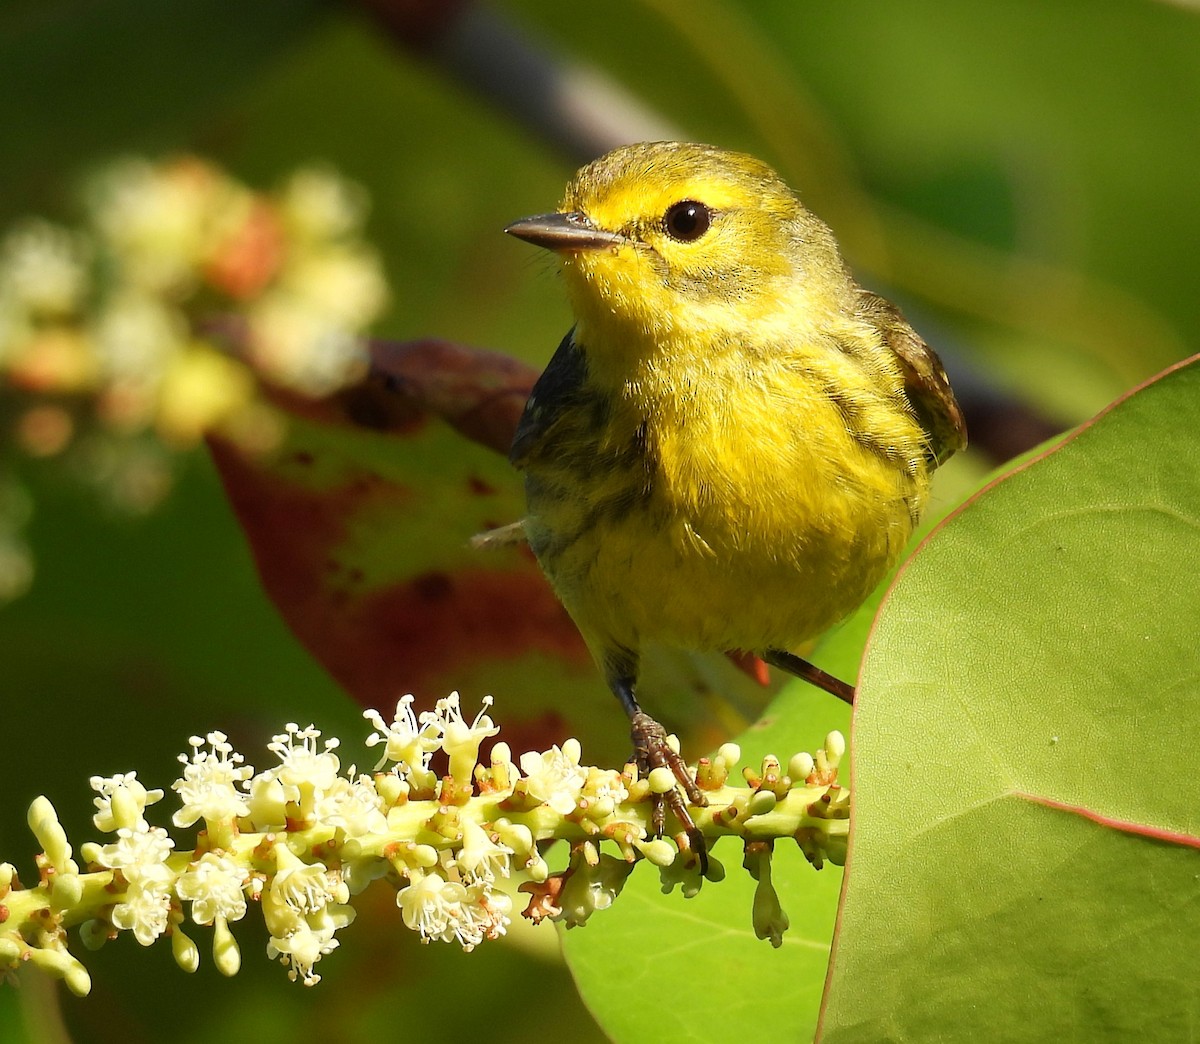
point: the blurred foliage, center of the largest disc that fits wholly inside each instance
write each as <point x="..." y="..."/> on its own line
<point x="1019" y="175"/>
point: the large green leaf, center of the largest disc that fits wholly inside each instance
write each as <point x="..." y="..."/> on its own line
<point x="1022" y="862"/>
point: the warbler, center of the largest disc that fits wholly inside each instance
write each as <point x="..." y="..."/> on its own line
<point x="733" y="444"/>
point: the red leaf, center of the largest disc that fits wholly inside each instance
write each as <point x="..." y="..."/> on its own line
<point x="359" y="526"/>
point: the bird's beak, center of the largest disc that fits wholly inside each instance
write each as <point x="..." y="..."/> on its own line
<point x="570" y="231"/>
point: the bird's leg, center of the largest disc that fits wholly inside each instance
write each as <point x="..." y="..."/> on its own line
<point x="651" y="750"/>
<point x="801" y="668"/>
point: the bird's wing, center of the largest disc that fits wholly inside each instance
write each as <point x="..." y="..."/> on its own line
<point x="556" y="390"/>
<point x="924" y="377"/>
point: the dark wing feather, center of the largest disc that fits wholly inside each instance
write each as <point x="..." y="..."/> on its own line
<point x="924" y="377"/>
<point x="558" y="389"/>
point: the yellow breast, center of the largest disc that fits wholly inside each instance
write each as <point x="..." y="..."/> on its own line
<point x="729" y="454"/>
<point x="762" y="518"/>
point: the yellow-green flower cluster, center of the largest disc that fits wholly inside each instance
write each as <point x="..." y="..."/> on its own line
<point x="150" y="324"/>
<point x="122" y="311"/>
<point x="302" y="837"/>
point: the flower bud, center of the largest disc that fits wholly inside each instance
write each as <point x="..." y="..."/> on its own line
<point x="662" y="780"/>
<point x="184" y="950"/>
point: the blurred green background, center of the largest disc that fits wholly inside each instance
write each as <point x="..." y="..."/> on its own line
<point x="1021" y="176"/>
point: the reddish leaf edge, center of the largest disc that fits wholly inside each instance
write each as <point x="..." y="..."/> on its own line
<point x="1125" y="826"/>
<point x="1017" y="469"/>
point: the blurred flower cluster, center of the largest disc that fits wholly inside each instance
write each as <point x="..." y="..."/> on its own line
<point x="152" y="323"/>
<point x="300" y="839"/>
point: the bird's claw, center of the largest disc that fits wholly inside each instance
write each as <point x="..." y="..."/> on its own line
<point x="651" y="751"/>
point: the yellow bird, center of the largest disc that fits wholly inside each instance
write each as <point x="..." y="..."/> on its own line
<point x="731" y="447"/>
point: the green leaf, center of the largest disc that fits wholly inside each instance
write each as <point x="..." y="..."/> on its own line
<point x="1022" y="863"/>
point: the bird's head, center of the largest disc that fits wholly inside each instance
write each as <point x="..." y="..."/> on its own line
<point x="660" y="239"/>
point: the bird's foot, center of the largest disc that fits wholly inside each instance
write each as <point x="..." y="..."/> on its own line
<point x="652" y="750"/>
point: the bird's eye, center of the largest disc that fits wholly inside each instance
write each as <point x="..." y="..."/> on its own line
<point x="687" y="220"/>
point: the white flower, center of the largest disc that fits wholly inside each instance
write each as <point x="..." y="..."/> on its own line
<point x="301" y="763"/>
<point x="213" y="885"/>
<point x="297" y="889"/>
<point x="684" y="871"/>
<point x="767" y="915"/>
<point x="317" y="204"/>
<point x="432" y="906"/>
<point x="306" y="772"/>
<point x="480" y="857"/>
<point x="448" y="911"/>
<point x="154" y="219"/>
<point x="486" y="911"/>
<point x="301" y="949"/>
<point x="144" y="910"/>
<point x="207" y="788"/>
<point x="121" y="802"/>
<point x="343" y="284"/>
<point x="458" y="739"/>
<point x="353" y="805"/>
<point x="555" y="776"/>
<point x="140" y="853"/>
<point x="303" y="347"/>
<point x="407" y="743"/>
<point x="43" y="269"/>
<point x="302" y="907"/>
<point x="134" y="335"/>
